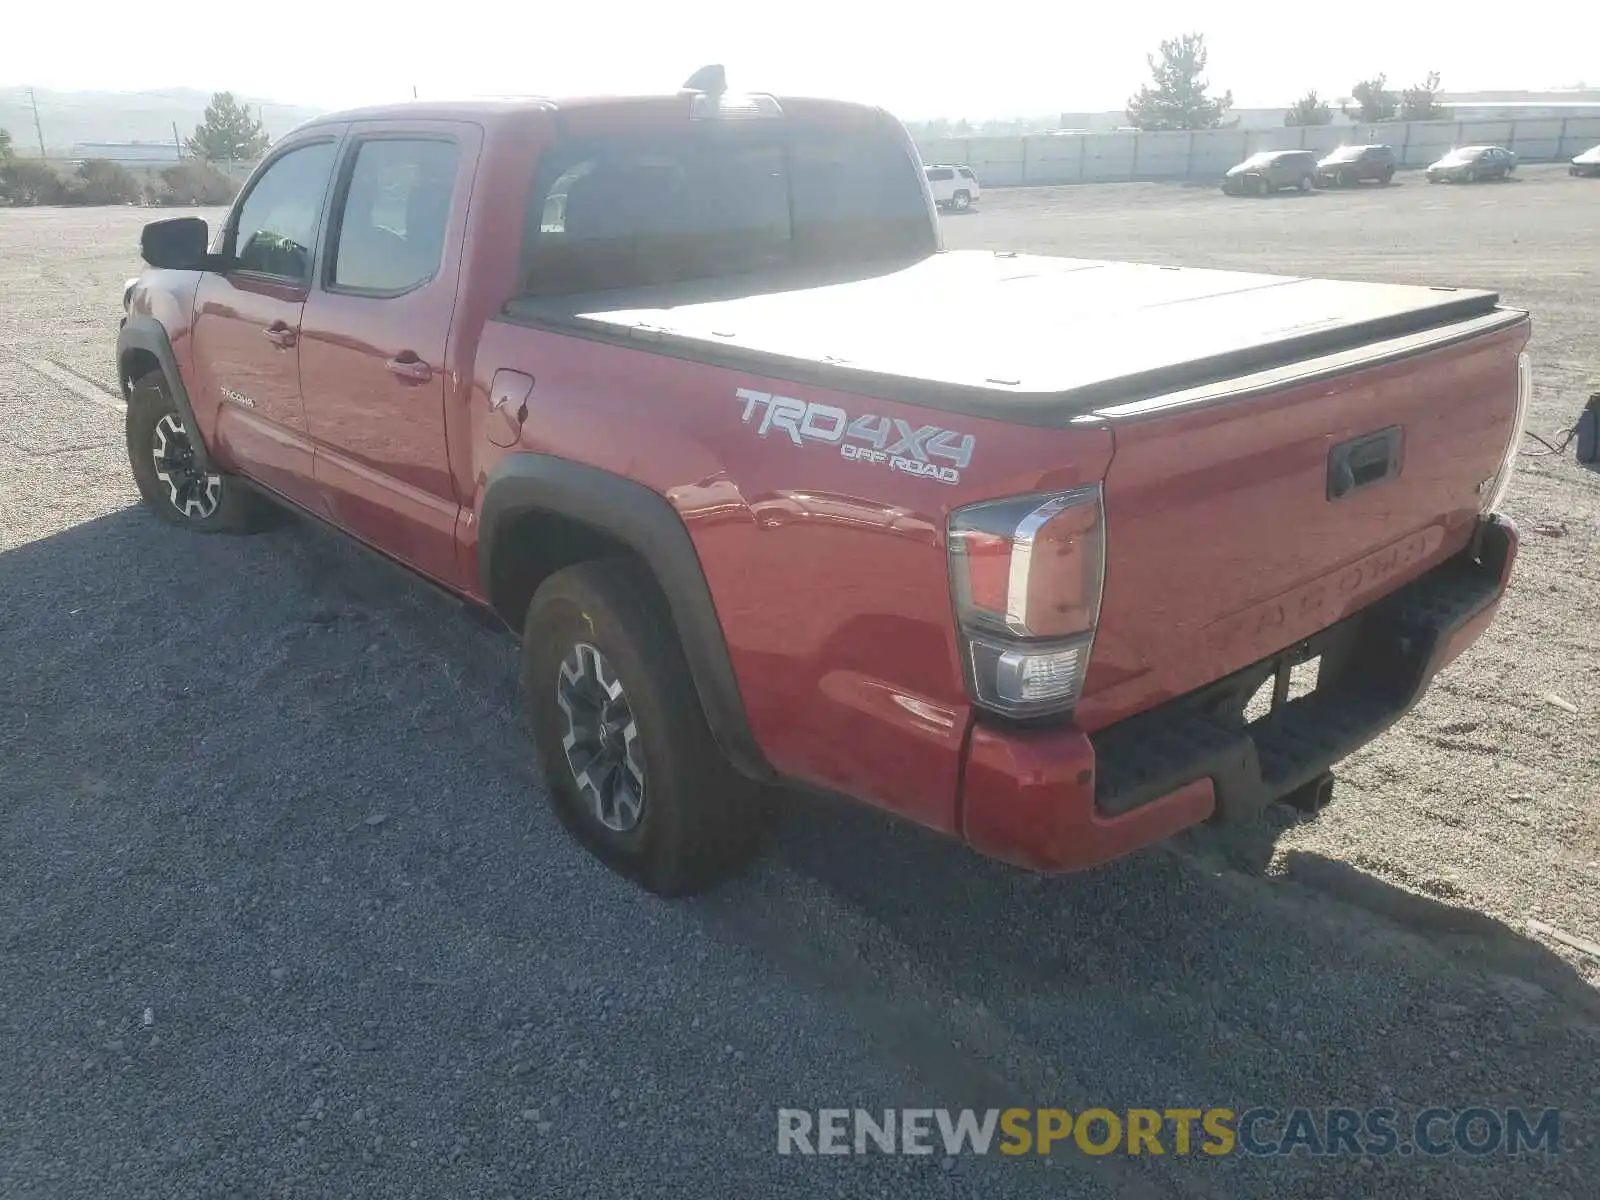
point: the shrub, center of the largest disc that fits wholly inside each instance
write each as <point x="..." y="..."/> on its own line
<point x="191" y="184"/>
<point x="28" y="181"/>
<point x="100" y="181"/>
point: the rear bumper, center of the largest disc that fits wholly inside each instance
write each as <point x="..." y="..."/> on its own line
<point x="1059" y="799"/>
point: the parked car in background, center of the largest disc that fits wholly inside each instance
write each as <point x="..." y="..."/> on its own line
<point x="1270" y="171"/>
<point x="1350" y="165"/>
<point x="1587" y="163"/>
<point x="954" y="188"/>
<point x="1468" y="164"/>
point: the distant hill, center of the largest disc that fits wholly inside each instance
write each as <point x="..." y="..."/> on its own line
<point x="73" y="117"/>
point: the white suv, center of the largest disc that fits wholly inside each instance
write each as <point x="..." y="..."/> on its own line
<point x="954" y="188"/>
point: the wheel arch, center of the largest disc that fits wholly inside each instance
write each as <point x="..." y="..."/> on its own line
<point x="540" y="514"/>
<point x="143" y="346"/>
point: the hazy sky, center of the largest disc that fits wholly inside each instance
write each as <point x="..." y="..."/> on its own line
<point x="919" y="59"/>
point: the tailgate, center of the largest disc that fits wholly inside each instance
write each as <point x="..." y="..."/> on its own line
<point x="1242" y="518"/>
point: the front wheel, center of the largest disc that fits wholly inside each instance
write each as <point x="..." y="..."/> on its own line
<point x="1387" y="177"/>
<point x="1345" y="179"/>
<point x="167" y="470"/>
<point x="630" y="766"/>
<point x="961" y="201"/>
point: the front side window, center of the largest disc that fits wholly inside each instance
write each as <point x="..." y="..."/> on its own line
<point x="696" y="204"/>
<point x="276" y="227"/>
<point x="391" y="224"/>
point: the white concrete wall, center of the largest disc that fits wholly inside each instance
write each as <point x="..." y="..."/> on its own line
<point x="1206" y="154"/>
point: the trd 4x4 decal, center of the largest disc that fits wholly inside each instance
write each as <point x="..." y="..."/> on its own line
<point x="867" y="438"/>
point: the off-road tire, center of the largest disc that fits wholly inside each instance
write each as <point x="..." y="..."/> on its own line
<point x="697" y="820"/>
<point x="158" y="441"/>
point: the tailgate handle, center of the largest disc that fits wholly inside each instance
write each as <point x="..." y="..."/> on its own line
<point x="1363" y="461"/>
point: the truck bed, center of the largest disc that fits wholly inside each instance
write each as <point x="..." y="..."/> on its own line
<point x="1024" y="338"/>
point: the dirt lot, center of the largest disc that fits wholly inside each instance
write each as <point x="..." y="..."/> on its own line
<point x="283" y="913"/>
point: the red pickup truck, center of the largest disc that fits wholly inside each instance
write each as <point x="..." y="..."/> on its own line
<point x="684" y="391"/>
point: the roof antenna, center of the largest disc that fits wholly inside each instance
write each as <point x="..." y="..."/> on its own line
<point x="712" y="80"/>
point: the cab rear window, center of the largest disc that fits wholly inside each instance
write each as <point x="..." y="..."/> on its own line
<point x="707" y="202"/>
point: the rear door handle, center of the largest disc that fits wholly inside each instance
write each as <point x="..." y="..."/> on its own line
<point x="409" y="367"/>
<point x="281" y="335"/>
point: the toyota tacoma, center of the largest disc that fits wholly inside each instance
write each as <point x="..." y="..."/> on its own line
<point x="672" y="388"/>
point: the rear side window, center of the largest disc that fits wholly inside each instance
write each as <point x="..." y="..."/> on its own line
<point x="392" y="217"/>
<point x="701" y="203"/>
<point x="941" y="175"/>
<point x="276" y="227"/>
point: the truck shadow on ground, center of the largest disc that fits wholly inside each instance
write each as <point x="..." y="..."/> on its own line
<point x="170" y="670"/>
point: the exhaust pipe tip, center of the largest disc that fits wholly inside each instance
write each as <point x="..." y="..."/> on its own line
<point x="1311" y="798"/>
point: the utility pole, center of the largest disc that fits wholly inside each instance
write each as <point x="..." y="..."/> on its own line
<point x="176" y="140"/>
<point x="37" y="128"/>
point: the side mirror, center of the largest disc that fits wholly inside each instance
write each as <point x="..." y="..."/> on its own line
<point x="178" y="244"/>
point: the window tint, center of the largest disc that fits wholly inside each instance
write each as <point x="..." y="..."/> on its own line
<point x="277" y="223"/>
<point x="940" y="174"/>
<point x="396" y="207"/>
<point x="630" y="211"/>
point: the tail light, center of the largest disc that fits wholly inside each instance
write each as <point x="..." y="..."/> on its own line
<point x="1026" y="575"/>
<point x="1495" y="494"/>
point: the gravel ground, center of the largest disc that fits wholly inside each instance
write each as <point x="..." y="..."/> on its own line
<point x="283" y="914"/>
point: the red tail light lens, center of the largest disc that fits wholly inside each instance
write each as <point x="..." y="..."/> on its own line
<point x="1026" y="574"/>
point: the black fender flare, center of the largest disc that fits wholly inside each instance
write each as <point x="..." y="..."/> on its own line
<point x="648" y="524"/>
<point x="143" y="332"/>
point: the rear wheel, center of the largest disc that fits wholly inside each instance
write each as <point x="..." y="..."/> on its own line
<point x="1305" y="183"/>
<point x="1387" y="177"/>
<point x="630" y="765"/>
<point x="961" y="201"/>
<point x="167" y="470"/>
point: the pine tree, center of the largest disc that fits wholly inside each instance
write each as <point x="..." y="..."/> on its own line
<point x="1178" y="99"/>
<point x="229" y="133"/>
<point x="1310" y="109"/>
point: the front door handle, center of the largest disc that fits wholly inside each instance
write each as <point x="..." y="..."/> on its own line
<point x="281" y="335"/>
<point x="409" y="367"/>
